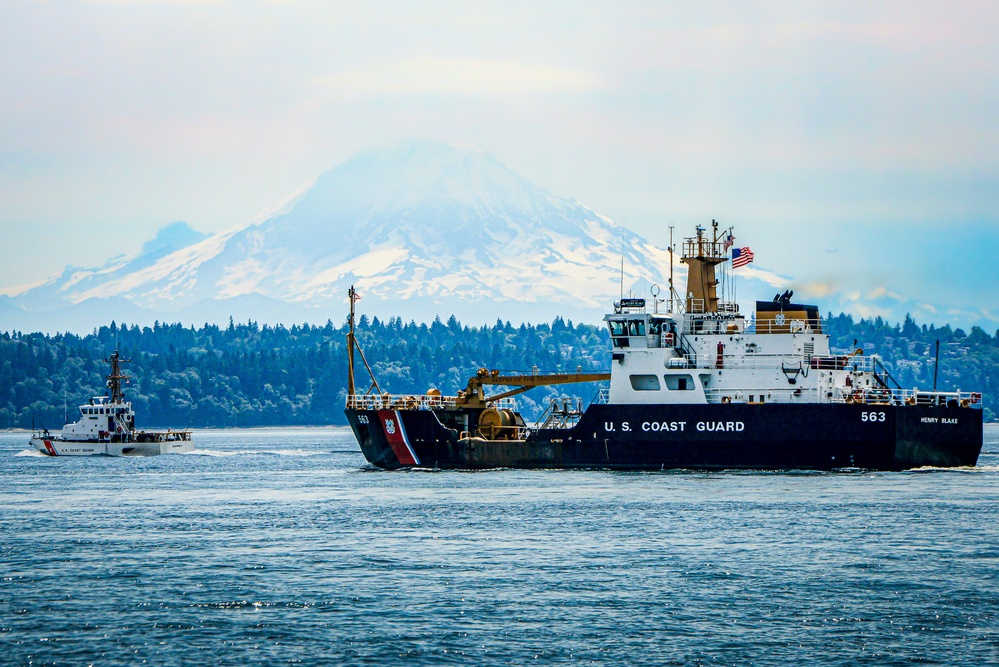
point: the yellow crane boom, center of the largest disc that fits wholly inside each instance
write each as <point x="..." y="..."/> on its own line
<point x="474" y="395"/>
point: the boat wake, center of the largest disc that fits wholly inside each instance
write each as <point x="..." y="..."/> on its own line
<point x="249" y="452"/>
<point x="31" y="452"/>
<point x="965" y="469"/>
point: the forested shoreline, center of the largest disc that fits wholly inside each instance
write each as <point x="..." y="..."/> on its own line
<point x="245" y="374"/>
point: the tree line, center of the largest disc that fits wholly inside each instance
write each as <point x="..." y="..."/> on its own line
<point x="251" y="375"/>
<point x="245" y="374"/>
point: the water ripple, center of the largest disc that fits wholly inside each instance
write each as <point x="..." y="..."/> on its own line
<point x="282" y="546"/>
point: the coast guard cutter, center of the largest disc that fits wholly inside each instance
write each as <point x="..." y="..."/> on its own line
<point x="696" y="386"/>
<point x="107" y="426"/>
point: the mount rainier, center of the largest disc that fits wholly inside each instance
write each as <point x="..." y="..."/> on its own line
<point x="420" y="230"/>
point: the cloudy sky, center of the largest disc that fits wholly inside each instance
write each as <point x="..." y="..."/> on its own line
<point x="854" y="145"/>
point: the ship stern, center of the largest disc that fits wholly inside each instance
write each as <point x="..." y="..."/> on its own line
<point x="933" y="436"/>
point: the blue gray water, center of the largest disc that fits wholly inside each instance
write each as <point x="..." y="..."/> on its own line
<point x="283" y="547"/>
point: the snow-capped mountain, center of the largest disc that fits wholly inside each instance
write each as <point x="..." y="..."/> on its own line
<point x="420" y="230"/>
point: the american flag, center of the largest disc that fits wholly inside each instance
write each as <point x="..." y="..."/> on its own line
<point x="741" y="257"/>
<point x="729" y="240"/>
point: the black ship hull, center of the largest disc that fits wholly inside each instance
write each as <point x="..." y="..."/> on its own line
<point x="655" y="437"/>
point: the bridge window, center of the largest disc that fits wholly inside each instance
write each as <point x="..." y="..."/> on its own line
<point x="636" y="328"/>
<point x="618" y="328"/>
<point x="645" y="382"/>
<point x="680" y="382"/>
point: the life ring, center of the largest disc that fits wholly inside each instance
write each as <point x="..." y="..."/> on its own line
<point x="726" y="400"/>
<point x="910" y="400"/>
<point x="965" y="403"/>
<point x="976" y="397"/>
<point x="668" y="338"/>
<point x="858" y="396"/>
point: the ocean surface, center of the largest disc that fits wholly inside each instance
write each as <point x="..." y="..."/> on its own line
<point x="281" y="546"/>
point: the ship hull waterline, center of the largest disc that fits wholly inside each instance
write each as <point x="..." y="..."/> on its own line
<point x="656" y="437"/>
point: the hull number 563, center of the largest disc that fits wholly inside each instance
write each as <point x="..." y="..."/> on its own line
<point x="872" y="416"/>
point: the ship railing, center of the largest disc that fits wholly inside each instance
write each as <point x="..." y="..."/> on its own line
<point x="415" y="402"/>
<point x="762" y="396"/>
<point x="603" y="396"/>
<point x="695" y="305"/>
<point x="789" y="363"/>
<point x="857" y="363"/>
<point x="923" y="397"/>
<point x="561" y="413"/>
<point x="877" y="396"/>
<point x="400" y="402"/>
<point x="689" y="359"/>
<point x="711" y="324"/>
<point x="791" y="325"/>
<point x="890" y="396"/>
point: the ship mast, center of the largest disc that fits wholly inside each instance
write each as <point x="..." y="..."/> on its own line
<point x="350" y="343"/>
<point x="351" y="346"/>
<point x="116" y="376"/>
<point x="702" y="255"/>
<point x="674" y="297"/>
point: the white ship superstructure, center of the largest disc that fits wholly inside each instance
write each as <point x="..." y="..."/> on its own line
<point x="702" y="350"/>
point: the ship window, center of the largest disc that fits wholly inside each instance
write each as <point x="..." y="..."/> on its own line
<point x="654" y="327"/>
<point x="621" y="342"/>
<point x="617" y="328"/>
<point x="680" y="382"/>
<point x="636" y="328"/>
<point x="645" y="382"/>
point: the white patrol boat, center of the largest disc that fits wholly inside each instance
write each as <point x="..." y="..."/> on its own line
<point x="696" y="386"/>
<point x="107" y="426"/>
